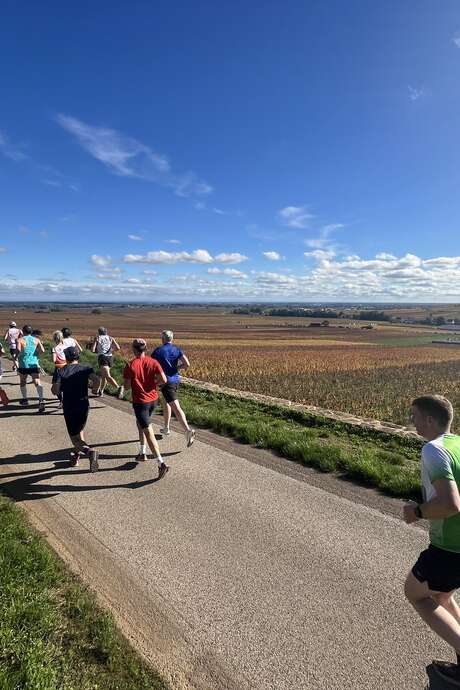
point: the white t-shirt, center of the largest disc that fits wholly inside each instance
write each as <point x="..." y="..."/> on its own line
<point x="60" y="360"/>
<point x="12" y="336"/>
<point x="69" y="342"/>
<point x="104" y="345"/>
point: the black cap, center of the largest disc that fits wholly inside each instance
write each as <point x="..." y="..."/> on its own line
<point x="72" y="353"/>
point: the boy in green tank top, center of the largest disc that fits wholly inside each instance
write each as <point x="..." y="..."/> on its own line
<point x="431" y="584"/>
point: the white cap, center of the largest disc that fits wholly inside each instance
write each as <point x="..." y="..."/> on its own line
<point x="13" y="323"/>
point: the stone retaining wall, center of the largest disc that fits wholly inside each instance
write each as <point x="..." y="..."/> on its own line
<point x="343" y="417"/>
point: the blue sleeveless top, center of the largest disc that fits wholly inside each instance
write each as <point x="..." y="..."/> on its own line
<point x="27" y="357"/>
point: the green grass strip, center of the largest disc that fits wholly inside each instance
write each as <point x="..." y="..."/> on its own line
<point x="53" y="636"/>
<point x="385" y="461"/>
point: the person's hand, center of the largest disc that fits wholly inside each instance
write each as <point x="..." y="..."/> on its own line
<point x="409" y="512"/>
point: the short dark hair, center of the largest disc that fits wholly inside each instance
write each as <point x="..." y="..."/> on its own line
<point x="435" y="406"/>
<point x="72" y="354"/>
<point x="102" y="331"/>
<point x="66" y="332"/>
<point x="27" y="330"/>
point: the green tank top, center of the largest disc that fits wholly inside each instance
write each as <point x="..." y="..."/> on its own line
<point x="27" y="357"/>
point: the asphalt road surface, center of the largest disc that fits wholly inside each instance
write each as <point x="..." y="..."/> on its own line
<point x="227" y="573"/>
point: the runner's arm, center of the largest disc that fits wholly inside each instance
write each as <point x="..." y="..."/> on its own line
<point x="160" y="377"/>
<point x="183" y="362"/>
<point x="54" y="356"/>
<point x="78" y="346"/>
<point x="40" y="345"/>
<point x="56" y="387"/>
<point x="94" y="345"/>
<point x="115" y="344"/>
<point x="445" y="504"/>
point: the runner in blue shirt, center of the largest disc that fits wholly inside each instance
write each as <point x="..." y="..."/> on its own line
<point x="171" y="359"/>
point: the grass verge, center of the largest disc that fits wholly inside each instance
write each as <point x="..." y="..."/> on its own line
<point x="52" y="634"/>
<point x="374" y="458"/>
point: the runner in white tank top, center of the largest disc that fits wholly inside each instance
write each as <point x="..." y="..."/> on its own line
<point x="103" y="346"/>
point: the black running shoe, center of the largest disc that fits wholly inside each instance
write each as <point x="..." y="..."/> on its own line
<point x="41" y="408"/>
<point x="162" y="470"/>
<point x="93" y="461"/>
<point x="24" y="402"/>
<point x="140" y="457"/>
<point x="448" y="672"/>
<point x="74" y="459"/>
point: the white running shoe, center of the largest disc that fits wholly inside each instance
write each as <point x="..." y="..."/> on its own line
<point x="190" y="437"/>
<point x="165" y="431"/>
<point x="120" y="392"/>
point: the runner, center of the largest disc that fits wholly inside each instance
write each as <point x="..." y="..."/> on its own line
<point x="12" y="335"/>
<point x="3" y="396"/>
<point x="431" y="584"/>
<point x="72" y="382"/>
<point x="103" y="345"/>
<point x="142" y="375"/>
<point x="58" y="356"/>
<point x="69" y="341"/>
<point x="29" y="365"/>
<point x="171" y="359"/>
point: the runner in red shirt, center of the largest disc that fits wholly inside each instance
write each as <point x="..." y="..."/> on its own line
<point x="142" y="375"/>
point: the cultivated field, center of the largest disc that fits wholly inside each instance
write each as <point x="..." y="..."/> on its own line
<point x="371" y="373"/>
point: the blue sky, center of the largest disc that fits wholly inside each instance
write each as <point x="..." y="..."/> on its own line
<point x="230" y="151"/>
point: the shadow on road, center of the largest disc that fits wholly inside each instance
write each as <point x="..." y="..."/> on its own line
<point x="24" y="486"/>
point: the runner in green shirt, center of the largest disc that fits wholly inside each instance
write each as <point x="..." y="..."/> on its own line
<point x="431" y="584"/>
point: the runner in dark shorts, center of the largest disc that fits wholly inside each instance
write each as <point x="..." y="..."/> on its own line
<point x="29" y="346"/>
<point x="12" y="336"/>
<point x="72" y="382"/>
<point x="103" y="346"/>
<point x="432" y="582"/>
<point x="142" y="375"/>
<point x="171" y="359"/>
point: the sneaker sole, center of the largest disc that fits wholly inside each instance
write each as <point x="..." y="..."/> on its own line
<point x="190" y="441"/>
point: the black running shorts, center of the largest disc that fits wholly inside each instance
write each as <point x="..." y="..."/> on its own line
<point x="143" y="412"/>
<point x="14" y="351"/>
<point x="105" y="360"/>
<point x="76" y="417"/>
<point x="170" y="391"/>
<point x="30" y="371"/>
<point x="439" y="568"/>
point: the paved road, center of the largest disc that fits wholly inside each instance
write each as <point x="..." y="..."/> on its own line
<point x="226" y="574"/>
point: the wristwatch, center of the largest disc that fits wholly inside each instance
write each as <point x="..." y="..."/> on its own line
<point x="418" y="512"/>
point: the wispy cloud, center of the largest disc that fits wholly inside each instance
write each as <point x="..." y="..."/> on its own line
<point x="295" y="216"/>
<point x="12" y="152"/>
<point x="198" y="256"/>
<point x="324" y="240"/>
<point x="135" y="238"/>
<point x="414" y="93"/>
<point x="272" y="256"/>
<point x="173" y="241"/>
<point x="127" y="157"/>
<point x="232" y="272"/>
<point x="3" y="250"/>
<point x="456" y="40"/>
<point x="100" y="261"/>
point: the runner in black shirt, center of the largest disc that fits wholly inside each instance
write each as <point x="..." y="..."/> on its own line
<point x="72" y="382"/>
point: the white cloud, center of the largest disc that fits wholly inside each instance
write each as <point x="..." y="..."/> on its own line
<point x="198" y="256"/>
<point x="320" y="254"/>
<point x="2" y="250"/>
<point x="173" y="241"/>
<point x="295" y="216"/>
<point x="99" y="261"/>
<point x="232" y="258"/>
<point x="456" y="40"/>
<point x="232" y="272"/>
<point x="149" y="272"/>
<point x="135" y="238"/>
<point x="128" y="157"/>
<point x="272" y="256"/>
<point x="415" y="94"/>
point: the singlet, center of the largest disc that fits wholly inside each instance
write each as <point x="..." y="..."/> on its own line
<point x="441" y="460"/>
<point x="104" y="345"/>
<point x="27" y="356"/>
